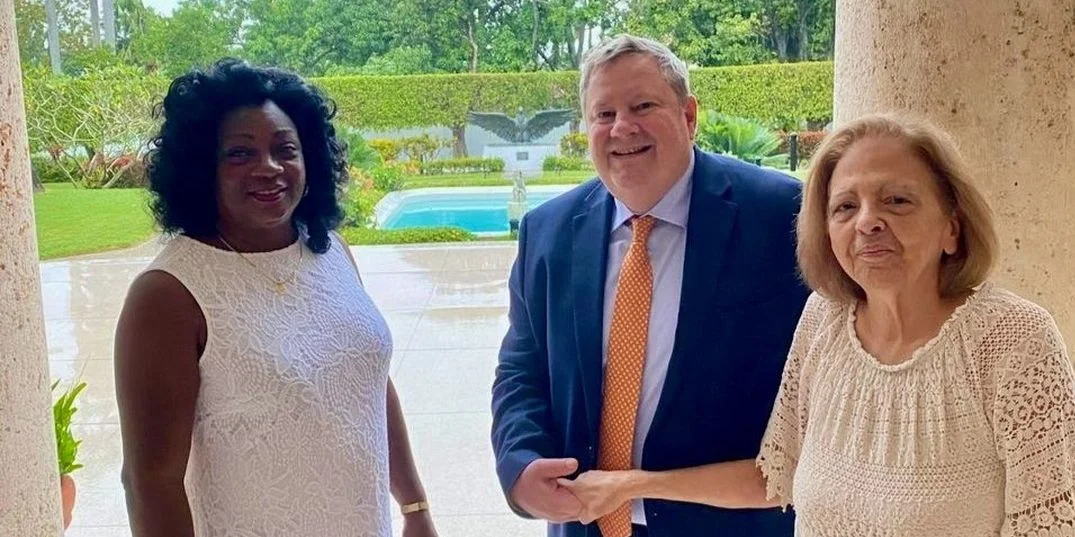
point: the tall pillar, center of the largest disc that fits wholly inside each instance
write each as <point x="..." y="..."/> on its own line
<point x="999" y="76"/>
<point x="29" y="480"/>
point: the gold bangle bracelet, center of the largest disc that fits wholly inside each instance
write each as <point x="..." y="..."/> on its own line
<point x="414" y="507"/>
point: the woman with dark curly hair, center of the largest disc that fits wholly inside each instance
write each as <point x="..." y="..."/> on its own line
<point x="251" y="365"/>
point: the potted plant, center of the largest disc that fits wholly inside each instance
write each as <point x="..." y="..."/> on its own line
<point x="63" y="410"/>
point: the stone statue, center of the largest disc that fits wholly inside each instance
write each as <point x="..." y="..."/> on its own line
<point x="518" y="190"/>
<point x="521" y="130"/>
<point x="517" y="206"/>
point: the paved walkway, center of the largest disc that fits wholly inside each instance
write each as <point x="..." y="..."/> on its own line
<point x="447" y="307"/>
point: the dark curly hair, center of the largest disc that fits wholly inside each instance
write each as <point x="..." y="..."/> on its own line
<point x="182" y="160"/>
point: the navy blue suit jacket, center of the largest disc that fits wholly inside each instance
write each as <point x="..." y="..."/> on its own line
<point x="740" y="304"/>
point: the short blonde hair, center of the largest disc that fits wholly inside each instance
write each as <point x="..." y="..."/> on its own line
<point x="674" y="69"/>
<point x="978" y="244"/>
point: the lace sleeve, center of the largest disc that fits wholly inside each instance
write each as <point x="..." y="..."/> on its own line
<point x="779" y="453"/>
<point x="1034" y="425"/>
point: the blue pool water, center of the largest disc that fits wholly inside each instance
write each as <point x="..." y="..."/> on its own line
<point x="482" y="212"/>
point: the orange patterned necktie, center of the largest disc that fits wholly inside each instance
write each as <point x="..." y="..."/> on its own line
<point x="623" y="372"/>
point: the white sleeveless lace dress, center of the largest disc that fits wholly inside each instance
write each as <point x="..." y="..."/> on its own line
<point x="290" y="434"/>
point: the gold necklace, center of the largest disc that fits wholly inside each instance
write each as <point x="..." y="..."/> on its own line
<point x="280" y="286"/>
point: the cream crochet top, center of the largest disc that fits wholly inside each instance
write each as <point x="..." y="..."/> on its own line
<point x="974" y="435"/>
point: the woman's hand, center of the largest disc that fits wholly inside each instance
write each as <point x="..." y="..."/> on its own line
<point x="601" y="492"/>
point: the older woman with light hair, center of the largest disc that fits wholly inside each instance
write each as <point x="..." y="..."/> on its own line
<point x="919" y="399"/>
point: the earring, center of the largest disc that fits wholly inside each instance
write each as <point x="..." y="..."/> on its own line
<point x="306" y="190"/>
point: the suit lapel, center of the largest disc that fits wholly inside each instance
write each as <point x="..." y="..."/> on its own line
<point x="709" y="231"/>
<point x="588" y="267"/>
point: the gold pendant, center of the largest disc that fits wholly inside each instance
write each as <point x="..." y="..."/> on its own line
<point x="280" y="289"/>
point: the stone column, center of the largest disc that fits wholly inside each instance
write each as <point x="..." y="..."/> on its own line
<point x="29" y="480"/>
<point x="999" y="76"/>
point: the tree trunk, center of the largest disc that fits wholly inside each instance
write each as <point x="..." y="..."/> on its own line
<point x="95" y="24"/>
<point x="473" y="42"/>
<point x="534" y="38"/>
<point x="804" y="19"/>
<point x="108" y="9"/>
<point x="54" y="36"/>
<point x="38" y="185"/>
<point x="780" y="42"/>
<point x="576" y="55"/>
<point x="459" y="146"/>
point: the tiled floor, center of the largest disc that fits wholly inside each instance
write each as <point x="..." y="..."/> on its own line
<point x="447" y="307"/>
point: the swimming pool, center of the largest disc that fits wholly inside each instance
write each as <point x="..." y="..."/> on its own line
<point x="481" y="210"/>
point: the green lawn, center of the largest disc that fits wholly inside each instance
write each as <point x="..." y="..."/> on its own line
<point x="72" y="221"/>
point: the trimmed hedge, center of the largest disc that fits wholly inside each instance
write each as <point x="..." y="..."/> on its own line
<point x="396" y="102"/>
<point x="358" y="235"/>
<point x="463" y="165"/>
<point x="116" y="105"/>
<point x="565" y="164"/>
<point x="769" y="92"/>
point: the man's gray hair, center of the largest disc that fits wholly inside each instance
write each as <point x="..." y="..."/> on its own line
<point x="673" y="68"/>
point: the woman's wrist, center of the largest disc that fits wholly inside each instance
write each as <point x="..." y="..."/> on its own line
<point x="637" y="484"/>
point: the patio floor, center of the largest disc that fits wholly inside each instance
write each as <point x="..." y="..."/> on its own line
<point x="447" y="307"/>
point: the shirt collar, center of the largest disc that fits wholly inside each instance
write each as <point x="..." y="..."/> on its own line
<point x="673" y="207"/>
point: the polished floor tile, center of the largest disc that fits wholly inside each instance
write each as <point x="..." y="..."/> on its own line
<point x="447" y="308"/>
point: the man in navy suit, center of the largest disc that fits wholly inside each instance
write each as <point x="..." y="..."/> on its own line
<point x="651" y="311"/>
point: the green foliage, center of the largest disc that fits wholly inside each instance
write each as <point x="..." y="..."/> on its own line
<point x="574" y="144"/>
<point x="423" y="147"/>
<point x="195" y="35"/>
<point x="463" y="165"/>
<point x="767" y="93"/>
<point x="560" y="164"/>
<point x="703" y="32"/>
<point x="114" y="104"/>
<point x="73" y="27"/>
<point x="388" y="177"/>
<point x="52" y="171"/>
<point x="398" y="61"/>
<point x="736" y="32"/>
<point x="124" y="171"/>
<point x="388" y="149"/>
<point x="359" y="235"/>
<point x="797" y="92"/>
<point x="745" y="139"/>
<point x="371" y="37"/>
<point x="91" y="59"/>
<point x="314" y="36"/>
<point x="397" y="102"/>
<point x="105" y="112"/>
<point x="63" y="411"/>
<point x="31" y="28"/>
<point x="359" y="203"/>
<point x="359" y="153"/>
